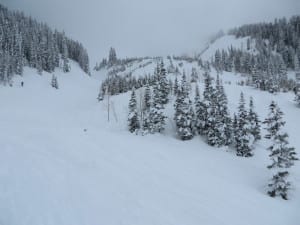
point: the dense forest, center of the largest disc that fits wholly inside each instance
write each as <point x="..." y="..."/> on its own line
<point x="275" y="49"/>
<point x="26" y="42"/>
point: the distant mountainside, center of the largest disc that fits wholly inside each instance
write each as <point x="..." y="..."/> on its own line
<point x="268" y="52"/>
<point x="281" y="36"/>
<point x="265" y="53"/>
<point x="26" y="42"/>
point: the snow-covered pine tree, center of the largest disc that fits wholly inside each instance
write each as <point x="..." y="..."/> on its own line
<point x="282" y="155"/>
<point x="157" y="116"/>
<point x="39" y="65"/>
<point x="207" y="102"/>
<point x="218" y="62"/>
<point x="171" y="87"/>
<point x="184" y="112"/>
<point x="112" y="57"/>
<point x="65" y="55"/>
<point x="244" y="139"/>
<point x="193" y="118"/>
<point x="147" y="98"/>
<point x="176" y="86"/>
<point x="273" y="81"/>
<point x="163" y="83"/>
<point x="255" y="75"/>
<point x="282" y="74"/>
<point x="133" y="120"/>
<point x="235" y="129"/>
<point x="146" y="110"/>
<point x="222" y="115"/>
<point x="254" y="122"/>
<point x="18" y="53"/>
<point x="213" y="125"/>
<point x="199" y="112"/>
<point x="54" y="82"/>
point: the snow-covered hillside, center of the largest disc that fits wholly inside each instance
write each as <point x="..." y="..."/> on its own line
<point x="62" y="162"/>
<point x="225" y="42"/>
<point x="146" y="66"/>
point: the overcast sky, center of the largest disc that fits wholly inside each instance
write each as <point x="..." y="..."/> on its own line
<point x="156" y="27"/>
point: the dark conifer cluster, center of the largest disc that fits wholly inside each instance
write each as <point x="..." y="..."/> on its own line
<point x="208" y="117"/>
<point x="271" y="50"/>
<point x="152" y="117"/>
<point x="26" y="42"/>
<point x="120" y="64"/>
<point x="117" y="84"/>
<point x="283" y="37"/>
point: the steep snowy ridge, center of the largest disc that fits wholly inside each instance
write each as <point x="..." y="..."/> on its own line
<point x="225" y="42"/>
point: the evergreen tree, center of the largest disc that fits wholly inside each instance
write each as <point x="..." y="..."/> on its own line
<point x="213" y="124"/>
<point x="176" y="86"/>
<point x="18" y="54"/>
<point x="255" y="75"/>
<point x="146" y="110"/>
<point x="39" y="64"/>
<point x="157" y="117"/>
<point x="200" y="113"/>
<point x="207" y="103"/>
<point x="163" y="83"/>
<point x="133" y="120"/>
<point x="184" y="113"/>
<point x="112" y="58"/>
<point x="244" y="138"/>
<point x="218" y="62"/>
<point x="235" y="130"/>
<point x="282" y="155"/>
<point x="147" y="98"/>
<point x="254" y="123"/>
<point x="222" y="115"/>
<point x="65" y="55"/>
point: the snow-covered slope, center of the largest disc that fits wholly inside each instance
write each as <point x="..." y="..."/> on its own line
<point x="148" y="66"/>
<point x="225" y="42"/>
<point x="62" y="162"/>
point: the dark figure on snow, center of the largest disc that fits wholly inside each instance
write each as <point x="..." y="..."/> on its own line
<point x="295" y="89"/>
<point x="22" y="83"/>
